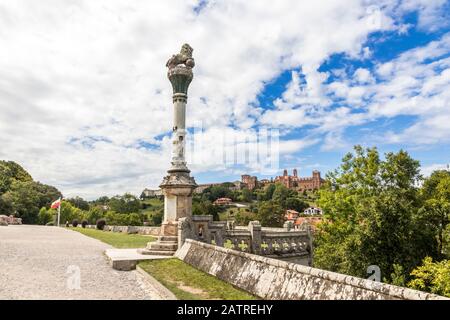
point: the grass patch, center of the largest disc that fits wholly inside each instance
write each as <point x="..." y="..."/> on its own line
<point x="117" y="239"/>
<point x="188" y="283"/>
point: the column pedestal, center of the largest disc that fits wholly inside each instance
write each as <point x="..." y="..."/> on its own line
<point x="177" y="188"/>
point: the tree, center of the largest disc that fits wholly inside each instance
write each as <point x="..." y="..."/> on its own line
<point x="280" y="194"/>
<point x="205" y="208"/>
<point x="217" y="191"/>
<point x="20" y="195"/>
<point x="125" y="204"/>
<point x="70" y="213"/>
<point x="45" y="216"/>
<point x="432" y="276"/>
<point x="134" y="219"/>
<point x="25" y="200"/>
<point x="79" y="202"/>
<point x="370" y="209"/>
<point x="10" y="172"/>
<point x="435" y="213"/>
<point x="156" y="217"/>
<point x="101" y="201"/>
<point x="247" y="195"/>
<point x="270" y="214"/>
<point x="94" y="214"/>
<point x="296" y="204"/>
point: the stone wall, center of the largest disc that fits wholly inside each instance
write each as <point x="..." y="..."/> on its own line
<point x="278" y="280"/>
<point x="5" y="220"/>
<point x="277" y="243"/>
<point x="152" y="231"/>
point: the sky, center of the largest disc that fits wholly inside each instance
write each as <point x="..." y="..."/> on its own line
<point x="85" y="103"/>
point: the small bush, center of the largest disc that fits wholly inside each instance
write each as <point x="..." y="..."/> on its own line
<point x="101" y="224"/>
<point x="74" y="223"/>
<point x="84" y="223"/>
<point x="50" y="224"/>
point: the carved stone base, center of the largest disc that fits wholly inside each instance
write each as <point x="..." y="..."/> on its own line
<point x="169" y="228"/>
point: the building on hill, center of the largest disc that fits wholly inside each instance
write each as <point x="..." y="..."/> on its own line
<point x="222" y="202"/>
<point x="237" y="185"/>
<point x="149" y="193"/>
<point x="291" y="215"/>
<point x="299" y="183"/>
<point x="313" y="211"/>
<point x="302" y="222"/>
<point x="250" y="182"/>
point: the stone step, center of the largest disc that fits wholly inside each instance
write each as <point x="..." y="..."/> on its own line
<point x="162" y="246"/>
<point x="157" y="252"/>
<point x="168" y="238"/>
<point x="168" y="242"/>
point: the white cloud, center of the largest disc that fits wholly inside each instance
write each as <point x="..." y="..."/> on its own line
<point x="428" y="170"/>
<point x="83" y="82"/>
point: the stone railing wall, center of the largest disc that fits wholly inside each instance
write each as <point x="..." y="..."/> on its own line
<point x="153" y="231"/>
<point x="278" y="280"/>
<point x="276" y="242"/>
<point x="6" y="220"/>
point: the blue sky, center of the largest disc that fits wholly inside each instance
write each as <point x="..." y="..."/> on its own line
<point x="90" y="110"/>
<point x="384" y="46"/>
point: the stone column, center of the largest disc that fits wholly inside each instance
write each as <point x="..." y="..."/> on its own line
<point x="178" y="185"/>
<point x="255" y="230"/>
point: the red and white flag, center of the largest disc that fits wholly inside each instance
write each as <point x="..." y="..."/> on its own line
<point x="56" y="204"/>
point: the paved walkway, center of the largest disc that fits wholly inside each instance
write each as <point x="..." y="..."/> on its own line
<point x="39" y="262"/>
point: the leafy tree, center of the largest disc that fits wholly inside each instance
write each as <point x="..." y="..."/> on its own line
<point x="125" y="204"/>
<point x="432" y="276"/>
<point x="435" y="213"/>
<point x="20" y="195"/>
<point x="371" y="208"/>
<point x="243" y="218"/>
<point x="270" y="214"/>
<point x="6" y="206"/>
<point x="94" y="214"/>
<point x="134" y="219"/>
<point x="446" y="245"/>
<point x="10" y="172"/>
<point x="70" y="213"/>
<point x="397" y="277"/>
<point x="156" y="217"/>
<point x="218" y="191"/>
<point x="45" y="216"/>
<point x="296" y="204"/>
<point x="104" y="200"/>
<point x="79" y="202"/>
<point x="270" y="189"/>
<point x="116" y="219"/>
<point x="247" y="195"/>
<point x="205" y="208"/>
<point x="27" y="197"/>
<point x="280" y="194"/>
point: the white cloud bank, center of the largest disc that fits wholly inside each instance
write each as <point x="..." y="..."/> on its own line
<point x="83" y="83"/>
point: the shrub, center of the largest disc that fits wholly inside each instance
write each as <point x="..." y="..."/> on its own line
<point x="84" y="223"/>
<point x="101" y="224"/>
<point x="50" y="224"/>
<point x="74" y="223"/>
<point x="134" y="219"/>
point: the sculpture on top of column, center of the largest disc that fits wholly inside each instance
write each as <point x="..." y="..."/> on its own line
<point x="178" y="185"/>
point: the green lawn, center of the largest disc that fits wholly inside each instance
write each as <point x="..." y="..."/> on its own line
<point x="117" y="239"/>
<point x="188" y="283"/>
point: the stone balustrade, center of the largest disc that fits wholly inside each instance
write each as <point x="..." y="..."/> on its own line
<point x="271" y="242"/>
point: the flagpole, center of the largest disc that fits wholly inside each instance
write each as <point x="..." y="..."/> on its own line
<point x="59" y="210"/>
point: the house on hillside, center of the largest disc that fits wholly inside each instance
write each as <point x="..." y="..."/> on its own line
<point x="313" y="211"/>
<point x="222" y="202"/>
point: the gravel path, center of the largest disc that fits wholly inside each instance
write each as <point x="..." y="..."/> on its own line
<point x="38" y="262"/>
